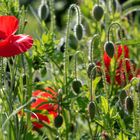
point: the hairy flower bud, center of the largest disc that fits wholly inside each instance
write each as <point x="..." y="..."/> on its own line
<point x="78" y="30"/>
<point x="97" y="12"/>
<point x="91" y="71"/>
<point x="129" y="104"/>
<point x="43" y="11"/>
<point x="58" y="121"/>
<point x="122" y="96"/>
<point x="73" y="42"/>
<point x="91" y="109"/>
<point x="109" y="49"/>
<point x="76" y="86"/>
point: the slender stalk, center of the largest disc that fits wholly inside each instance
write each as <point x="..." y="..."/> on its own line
<point x="90" y="129"/>
<point x="66" y="55"/>
<point x="114" y="23"/>
<point x="52" y="11"/>
<point x="91" y="59"/>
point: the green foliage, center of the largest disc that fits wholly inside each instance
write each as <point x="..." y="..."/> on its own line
<point x="67" y="71"/>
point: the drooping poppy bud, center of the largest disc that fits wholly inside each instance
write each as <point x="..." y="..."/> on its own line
<point x="43" y="10"/>
<point x="129" y="104"/>
<point x="78" y="30"/>
<point x="122" y="96"/>
<point x="97" y="12"/>
<point x="58" y="121"/>
<point x="76" y="86"/>
<point x="91" y="109"/>
<point x="91" y="71"/>
<point x="73" y="42"/>
<point x="109" y="49"/>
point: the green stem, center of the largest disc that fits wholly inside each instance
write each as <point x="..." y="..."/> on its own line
<point x="115" y="23"/>
<point x="66" y="55"/>
<point x="90" y="129"/>
<point x="52" y="11"/>
<point x="91" y="59"/>
<point x="75" y="64"/>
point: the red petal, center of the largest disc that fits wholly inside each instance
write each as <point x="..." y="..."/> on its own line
<point x="37" y="125"/>
<point x="107" y="60"/>
<point x="8" y="26"/>
<point x="15" y="45"/>
<point x="120" y="50"/>
<point x="41" y="117"/>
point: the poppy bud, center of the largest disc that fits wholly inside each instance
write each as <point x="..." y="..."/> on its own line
<point x="73" y="42"/>
<point x="91" y="109"/>
<point x="76" y="85"/>
<point x="122" y="96"/>
<point x="58" y="121"/>
<point x="37" y="79"/>
<point x="43" y="11"/>
<point x="114" y="5"/>
<point x="129" y="104"/>
<point x="62" y="48"/>
<point x="78" y="30"/>
<point x="109" y="49"/>
<point x="33" y="99"/>
<point x="97" y="12"/>
<point x="91" y="71"/>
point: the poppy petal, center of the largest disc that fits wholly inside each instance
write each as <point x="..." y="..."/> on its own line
<point x="8" y="26"/>
<point x="15" y="44"/>
<point x="107" y="61"/>
<point x="120" y="51"/>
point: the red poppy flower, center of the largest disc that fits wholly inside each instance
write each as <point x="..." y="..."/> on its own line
<point x="42" y="108"/>
<point x="120" y="76"/>
<point x="11" y="44"/>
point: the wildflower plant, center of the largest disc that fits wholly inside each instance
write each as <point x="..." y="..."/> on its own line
<point x="77" y="81"/>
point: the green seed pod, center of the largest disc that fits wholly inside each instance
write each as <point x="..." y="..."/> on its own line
<point x="122" y="96"/>
<point x="97" y="12"/>
<point x="78" y="30"/>
<point x="91" y="71"/>
<point x="43" y="11"/>
<point x="109" y="49"/>
<point x="76" y="85"/>
<point x="58" y="121"/>
<point x="129" y="104"/>
<point x="73" y="42"/>
<point x="91" y="109"/>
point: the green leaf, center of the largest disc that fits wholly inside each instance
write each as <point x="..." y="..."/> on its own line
<point x="129" y="42"/>
<point x="104" y="104"/>
<point x="95" y="83"/>
<point x="113" y="112"/>
<point x="122" y="136"/>
<point x="130" y="6"/>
